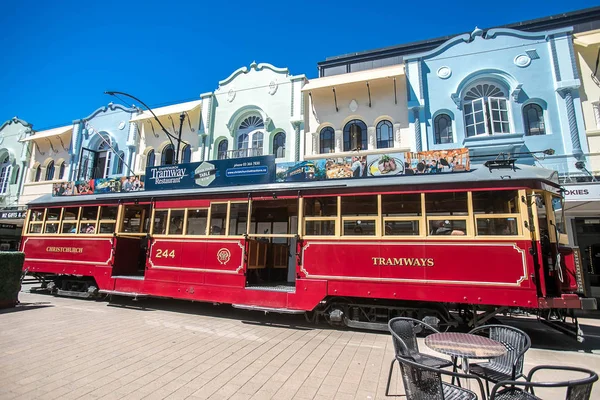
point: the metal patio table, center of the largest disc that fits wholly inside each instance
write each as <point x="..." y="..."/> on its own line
<point x="465" y="346"/>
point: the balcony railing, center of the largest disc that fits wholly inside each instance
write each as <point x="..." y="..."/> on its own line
<point x="241" y="153"/>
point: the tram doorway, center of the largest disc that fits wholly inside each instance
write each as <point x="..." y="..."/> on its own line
<point x="272" y="245"/>
<point x="131" y="246"/>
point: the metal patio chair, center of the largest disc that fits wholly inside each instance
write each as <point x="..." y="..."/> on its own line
<point x="508" y="367"/>
<point x="404" y="336"/>
<point x="577" y="389"/>
<point x="422" y="382"/>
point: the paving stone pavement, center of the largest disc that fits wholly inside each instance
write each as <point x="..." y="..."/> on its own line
<point x="60" y="348"/>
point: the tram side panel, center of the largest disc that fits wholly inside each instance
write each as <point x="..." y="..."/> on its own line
<point x="492" y="273"/>
<point x="70" y="256"/>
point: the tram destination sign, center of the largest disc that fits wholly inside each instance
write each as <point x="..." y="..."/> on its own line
<point x="229" y="172"/>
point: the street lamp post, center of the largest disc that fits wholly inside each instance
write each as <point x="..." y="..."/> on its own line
<point x="169" y="135"/>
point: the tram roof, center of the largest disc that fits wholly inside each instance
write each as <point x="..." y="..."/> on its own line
<point x="480" y="174"/>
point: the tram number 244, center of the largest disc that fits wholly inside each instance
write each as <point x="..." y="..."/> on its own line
<point x="164" y="253"/>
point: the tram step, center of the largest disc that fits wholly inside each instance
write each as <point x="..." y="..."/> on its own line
<point x="119" y="293"/>
<point x="268" y="309"/>
<point x="373" y="326"/>
<point x="71" y="293"/>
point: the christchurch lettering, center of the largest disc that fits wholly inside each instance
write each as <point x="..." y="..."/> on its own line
<point x="76" y="250"/>
<point x="404" y="262"/>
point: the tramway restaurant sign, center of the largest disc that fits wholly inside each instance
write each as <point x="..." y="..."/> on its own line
<point x="237" y="171"/>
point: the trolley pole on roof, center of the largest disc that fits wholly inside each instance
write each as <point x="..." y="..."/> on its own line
<point x="169" y="135"/>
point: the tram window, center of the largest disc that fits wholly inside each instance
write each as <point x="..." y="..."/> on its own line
<point x="53" y="214"/>
<point x="447" y="227"/>
<point x="176" y="222"/>
<point x="71" y="214"/>
<point x="496" y="202"/>
<point x="160" y="222"/>
<point x="359" y="205"/>
<point x="218" y="216"/>
<point x="320" y="228"/>
<point x="89" y="213"/>
<point x="52" y="220"/>
<point x="37" y="216"/>
<point x="36" y="219"/>
<point x="197" y="222"/>
<point x="35" y="228"/>
<point x="238" y="218"/>
<point x="107" y="227"/>
<point x="446" y="203"/>
<point x="359" y="228"/>
<point x="401" y="204"/>
<point x="136" y="219"/>
<point x="108" y="213"/>
<point x="320" y="207"/>
<point x="558" y="214"/>
<point x="87" y="228"/>
<point x="400" y="228"/>
<point x="497" y="226"/>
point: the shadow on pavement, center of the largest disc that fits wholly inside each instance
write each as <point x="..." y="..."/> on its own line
<point x="26" y="307"/>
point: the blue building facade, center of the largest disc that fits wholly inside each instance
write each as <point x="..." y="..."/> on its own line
<point x="103" y="144"/>
<point x="499" y="91"/>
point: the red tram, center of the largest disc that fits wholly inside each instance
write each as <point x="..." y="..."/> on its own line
<point x="354" y="251"/>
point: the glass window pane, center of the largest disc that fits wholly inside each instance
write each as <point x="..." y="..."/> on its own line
<point x="160" y="222"/>
<point x="89" y="213"/>
<point x="37" y="215"/>
<point x="359" y="205"/>
<point x="107" y="227"/>
<point x="35" y="228"/>
<point x="320" y="228"/>
<point x="218" y="215"/>
<point x="497" y="226"/>
<point x="359" y="228"/>
<point x="197" y="222"/>
<point x="238" y="218"/>
<point x="109" y="212"/>
<point x="446" y="203"/>
<point x="87" y="228"/>
<point x="401" y="204"/>
<point x="480" y="129"/>
<point x="53" y="214"/>
<point x="51" y="227"/>
<point x="496" y="202"/>
<point x="69" y="227"/>
<point x="176" y="222"/>
<point x="401" y="228"/>
<point x="447" y="227"/>
<point x="71" y="213"/>
<point x="470" y="131"/>
<point x="320" y="207"/>
<point x="477" y="106"/>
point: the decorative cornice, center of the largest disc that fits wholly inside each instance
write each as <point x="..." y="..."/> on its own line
<point x="111" y="106"/>
<point x="15" y="120"/>
<point x="441" y="48"/>
<point x="253" y="66"/>
<point x="492" y="33"/>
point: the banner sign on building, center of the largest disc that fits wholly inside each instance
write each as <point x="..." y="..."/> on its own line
<point x="425" y="162"/>
<point x="228" y="172"/>
<point x="12" y="214"/>
<point x="99" y="186"/>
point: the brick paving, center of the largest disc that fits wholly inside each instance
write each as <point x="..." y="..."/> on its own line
<point x="64" y="348"/>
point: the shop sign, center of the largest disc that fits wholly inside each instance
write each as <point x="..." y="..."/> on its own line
<point x="12" y="214"/>
<point x="585" y="192"/>
<point x="8" y="226"/>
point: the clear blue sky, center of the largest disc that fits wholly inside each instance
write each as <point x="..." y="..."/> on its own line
<point x="58" y="57"/>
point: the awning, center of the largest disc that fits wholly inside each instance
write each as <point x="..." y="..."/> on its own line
<point x="172" y="109"/>
<point x="49" y="133"/>
<point x="588" y="38"/>
<point x="354" y="77"/>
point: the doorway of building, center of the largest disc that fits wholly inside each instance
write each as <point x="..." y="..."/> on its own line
<point x="272" y="245"/>
<point x="587" y="232"/>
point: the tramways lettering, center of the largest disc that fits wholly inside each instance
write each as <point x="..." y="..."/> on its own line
<point x="404" y="262"/>
<point x="53" y="249"/>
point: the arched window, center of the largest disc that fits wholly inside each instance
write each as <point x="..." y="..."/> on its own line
<point x="120" y="158"/>
<point x="168" y="155"/>
<point x="38" y="173"/>
<point x="443" y="129"/>
<point x="533" y="117"/>
<point x="355" y="135"/>
<point x="250" y="137"/>
<point x="222" y="149"/>
<point x="5" y="175"/>
<point x="385" y="136"/>
<point x="279" y="145"/>
<point x="61" y="171"/>
<point x="485" y="108"/>
<point x="326" y="139"/>
<point x="186" y="153"/>
<point x="50" y="171"/>
<point x="150" y="159"/>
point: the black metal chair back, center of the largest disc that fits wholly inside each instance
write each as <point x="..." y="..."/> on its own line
<point x="516" y="342"/>
<point x="404" y="334"/>
<point x="577" y="389"/>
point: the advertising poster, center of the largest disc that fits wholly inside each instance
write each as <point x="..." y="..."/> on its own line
<point x="99" y="186"/>
<point x="229" y="172"/>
